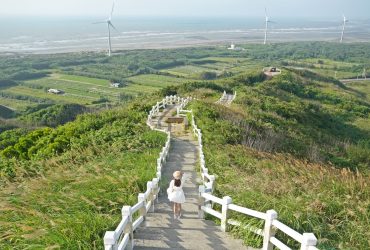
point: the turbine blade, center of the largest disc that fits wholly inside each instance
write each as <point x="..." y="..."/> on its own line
<point x="111" y="13"/>
<point x="113" y="26"/>
<point x="100" y="22"/>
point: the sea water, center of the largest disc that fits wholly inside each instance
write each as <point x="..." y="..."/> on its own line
<point x="54" y="35"/>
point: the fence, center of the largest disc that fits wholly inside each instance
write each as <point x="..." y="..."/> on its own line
<point x="225" y="98"/>
<point x="134" y="216"/>
<point x="308" y="241"/>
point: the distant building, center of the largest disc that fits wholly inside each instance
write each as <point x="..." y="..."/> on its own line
<point x="55" y="91"/>
<point x="271" y="71"/>
<point x="233" y="47"/>
<point x="116" y="85"/>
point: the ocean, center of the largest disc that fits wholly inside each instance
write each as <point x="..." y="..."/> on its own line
<point x="56" y="35"/>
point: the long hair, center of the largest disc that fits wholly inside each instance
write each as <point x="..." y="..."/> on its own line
<point x="177" y="182"/>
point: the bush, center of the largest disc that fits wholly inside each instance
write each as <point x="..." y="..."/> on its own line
<point x="208" y="75"/>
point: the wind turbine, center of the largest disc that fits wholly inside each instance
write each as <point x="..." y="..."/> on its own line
<point x="345" y="20"/>
<point x="267" y="21"/>
<point x="109" y="24"/>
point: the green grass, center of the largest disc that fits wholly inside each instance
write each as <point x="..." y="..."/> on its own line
<point x="189" y="71"/>
<point x="327" y="63"/>
<point x="308" y="197"/>
<point x="84" y="90"/>
<point x="73" y="206"/>
<point x="18" y="105"/>
<point x="224" y="59"/>
<point x="156" y="81"/>
<point x="362" y="86"/>
<point x="40" y="93"/>
<point x="69" y="200"/>
<point x="83" y="79"/>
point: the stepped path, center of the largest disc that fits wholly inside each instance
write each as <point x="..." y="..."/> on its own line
<point x="226" y="99"/>
<point x="162" y="231"/>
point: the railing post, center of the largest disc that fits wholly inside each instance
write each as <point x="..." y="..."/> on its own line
<point x="149" y="186"/>
<point x="126" y="211"/>
<point x="154" y="191"/>
<point x="201" y="201"/>
<point x="142" y="211"/>
<point x="110" y="242"/>
<point x="159" y="175"/>
<point x="159" y="163"/>
<point x="309" y="240"/>
<point x="204" y="171"/>
<point x="226" y="201"/>
<point x="269" y="230"/>
<point x="212" y="182"/>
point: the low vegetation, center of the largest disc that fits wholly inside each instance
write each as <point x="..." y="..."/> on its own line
<point x="74" y="178"/>
<point x="298" y="143"/>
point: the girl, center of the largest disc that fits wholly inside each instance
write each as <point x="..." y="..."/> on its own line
<point x="176" y="194"/>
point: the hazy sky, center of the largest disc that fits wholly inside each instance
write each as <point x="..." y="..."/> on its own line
<point x="323" y="9"/>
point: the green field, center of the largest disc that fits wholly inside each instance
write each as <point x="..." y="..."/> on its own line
<point x="156" y="81"/>
<point x="82" y="90"/>
<point x="188" y="71"/>
<point x="18" y="105"/>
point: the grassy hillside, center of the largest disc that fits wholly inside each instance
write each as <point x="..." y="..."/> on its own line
<point x="85" y="77"/>
<point x="290" y="144"/>
<point x="70" y="199"/>
<point x="298" y="143"/>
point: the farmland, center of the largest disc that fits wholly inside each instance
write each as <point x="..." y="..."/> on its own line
<point x="80" y="89"/>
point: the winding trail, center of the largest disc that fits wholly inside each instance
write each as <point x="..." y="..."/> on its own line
<point x="162" y="231"/>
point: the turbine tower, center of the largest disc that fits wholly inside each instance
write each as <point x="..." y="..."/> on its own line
<point x="110" y="25"/>
<point x="345" y="20"/>
<point x="364" y="74"/>
<point x="267" y="21"/>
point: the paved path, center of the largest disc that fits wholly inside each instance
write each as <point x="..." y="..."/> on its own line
<point x="162" y="231"/>
<point x="354" y="80"/>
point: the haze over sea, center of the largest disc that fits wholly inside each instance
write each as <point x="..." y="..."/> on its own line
<point x="55" y="35"/>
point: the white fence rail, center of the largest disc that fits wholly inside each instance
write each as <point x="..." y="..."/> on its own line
<point x="308" y="241"/>
<point x="225" y="98"/>
<point x="134" y="216"/>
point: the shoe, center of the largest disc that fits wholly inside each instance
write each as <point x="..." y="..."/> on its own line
<point x="179" y="216"/>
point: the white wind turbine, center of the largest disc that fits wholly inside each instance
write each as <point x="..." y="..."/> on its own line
<point x="109" y="24"/>
<point x="267" y="21"/>
<point x="345" y="20"/>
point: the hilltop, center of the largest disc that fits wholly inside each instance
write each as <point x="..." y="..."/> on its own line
<point x="298" y="143"/>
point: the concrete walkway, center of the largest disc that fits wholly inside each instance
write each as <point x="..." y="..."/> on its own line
<point x="162" y="231"/>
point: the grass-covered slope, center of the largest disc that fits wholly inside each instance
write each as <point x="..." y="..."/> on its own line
<point x="332" y="203"/>
<point x="68" y="198"/>
<point x="293" y="144"/>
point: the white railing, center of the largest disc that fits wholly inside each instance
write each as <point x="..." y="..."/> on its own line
<point x="308" y="241"/>
<point x="133" y="216"/>
<point x="225" y="98"/>
<point x="233" y="97"/>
